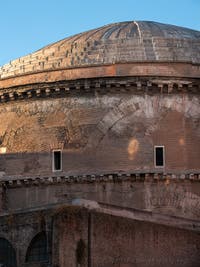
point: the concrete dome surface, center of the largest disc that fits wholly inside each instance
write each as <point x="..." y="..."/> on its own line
<point x="124" y="42"/>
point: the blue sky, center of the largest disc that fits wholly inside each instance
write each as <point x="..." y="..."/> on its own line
<point x="27" y="25"/>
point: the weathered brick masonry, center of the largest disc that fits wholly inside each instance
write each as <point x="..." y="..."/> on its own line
<point x="99" y="132"/>
<point x="87" y="237"/>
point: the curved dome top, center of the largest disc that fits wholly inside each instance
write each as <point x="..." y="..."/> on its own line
<point x="125" y="42"/>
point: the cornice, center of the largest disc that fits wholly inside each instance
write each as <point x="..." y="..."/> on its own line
<point x="136" y="85"/>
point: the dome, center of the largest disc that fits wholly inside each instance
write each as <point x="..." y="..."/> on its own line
<point x="118" y="43"/>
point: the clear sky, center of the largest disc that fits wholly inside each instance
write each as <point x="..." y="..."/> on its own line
<point x="27" y="25"/>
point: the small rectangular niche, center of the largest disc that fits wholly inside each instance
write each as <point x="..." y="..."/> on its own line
<point x="159" y="156"/>
<point x="57" y="160"/>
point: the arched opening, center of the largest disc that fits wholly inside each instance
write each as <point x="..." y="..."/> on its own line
<point x="7" y="254"/>
<point x="37" y="250"/>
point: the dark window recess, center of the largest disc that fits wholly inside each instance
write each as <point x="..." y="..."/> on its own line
<point x="7" y="254"/>
<point x="57" y="160"/>
<point x="159" y="156"/>
<point x="37" y="250"/>
<point x="80" y="252"/>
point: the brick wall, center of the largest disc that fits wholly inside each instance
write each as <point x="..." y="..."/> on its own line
<point x="120" y="242"/>
<point x="105" y="240"/>
<point x="177" y="198"/>
<point x="101" y="134"/>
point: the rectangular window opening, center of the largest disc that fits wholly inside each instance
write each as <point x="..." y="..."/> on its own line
<point x="159" y="156"/>
<point x="57" y="160"/>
